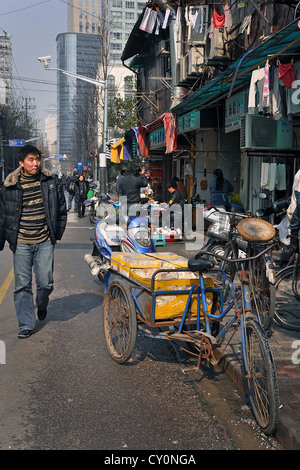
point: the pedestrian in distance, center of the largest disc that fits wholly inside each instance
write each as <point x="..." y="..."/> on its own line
<point x="220" y="188"/>
<point x="71" y="190"/>
<point x="131" y="184"/>
<point x="33" y="217"/>
<point x="82" y="188"/>
<point x="180" y="186"/>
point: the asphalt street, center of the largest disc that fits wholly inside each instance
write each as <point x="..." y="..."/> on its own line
<point x="60" y="390"/>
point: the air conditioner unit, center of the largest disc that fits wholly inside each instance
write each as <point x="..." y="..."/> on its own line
<point x="260" y="132"/>
<point x="216" y="45"/>
<point x="194" y="61"/>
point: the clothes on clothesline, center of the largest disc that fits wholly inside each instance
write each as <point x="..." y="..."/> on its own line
<point x="286" y="73"/>
<point x="195" y="18"/>
<point x="218" y="21"/>
<point x="154" y="19"/>
<point x="273" y="176"/>
<point x="273" y="84"/>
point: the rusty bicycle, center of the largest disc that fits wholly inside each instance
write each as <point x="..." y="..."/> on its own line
<point x="168" y="297"/>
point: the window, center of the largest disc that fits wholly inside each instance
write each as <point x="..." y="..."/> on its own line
<point x="116" y="14"/>
<point x="117" y="4"/>
<point x="117" y="36"/>
<point x="129" y="15"/>
<point x="129" y="5"/>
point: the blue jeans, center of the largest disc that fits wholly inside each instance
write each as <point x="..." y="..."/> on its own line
<point x="70" y="199"/>
<point x="40" y="257"/>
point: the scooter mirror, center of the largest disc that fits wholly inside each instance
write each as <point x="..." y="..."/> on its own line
<point x="262" y="195"/>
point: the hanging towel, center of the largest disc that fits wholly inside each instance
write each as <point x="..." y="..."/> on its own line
<point x="168" y="17"/>
<point x="178" y="18"/>
<point x="281" y="177"/>
<point x="226" y="11"/>
<point x="149" y="20"/>
<point x="199" y="21"/>
<point x="272" y="176"/>
<point x="264" y="175"/>
<point x="266" y="82"/>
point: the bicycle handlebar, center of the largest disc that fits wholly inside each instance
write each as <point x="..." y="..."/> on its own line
<point x="235" y="260"/>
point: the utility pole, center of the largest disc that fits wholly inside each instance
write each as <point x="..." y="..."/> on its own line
<point x="27" y="107"/>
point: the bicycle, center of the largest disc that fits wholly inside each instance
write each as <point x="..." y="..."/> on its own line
<point x="287" y="311"/>
<point x="133" y="303"/>
<point x="241" y="240"/>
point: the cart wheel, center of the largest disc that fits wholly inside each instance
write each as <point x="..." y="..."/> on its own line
<point x="119" y="322"/>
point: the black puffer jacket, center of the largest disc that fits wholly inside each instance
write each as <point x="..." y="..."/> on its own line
<point x="11" y="207"/>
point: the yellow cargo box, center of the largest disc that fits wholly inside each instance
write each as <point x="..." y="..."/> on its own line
<point x="140" y="268"/>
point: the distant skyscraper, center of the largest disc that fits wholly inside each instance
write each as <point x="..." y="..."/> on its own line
<point x="51" y="129"/>
<point x="5" y="69"/>
<point x="77" y="53"/>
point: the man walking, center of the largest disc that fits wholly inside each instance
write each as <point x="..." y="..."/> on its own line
<point x="32" y="218"/>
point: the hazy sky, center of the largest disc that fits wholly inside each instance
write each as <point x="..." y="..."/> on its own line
<point x="33" y="26"/>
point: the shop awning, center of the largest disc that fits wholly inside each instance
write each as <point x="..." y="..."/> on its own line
<point x="284" y="43"/>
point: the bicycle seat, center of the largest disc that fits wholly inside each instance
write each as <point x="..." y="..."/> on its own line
<point x="201" y="264"/>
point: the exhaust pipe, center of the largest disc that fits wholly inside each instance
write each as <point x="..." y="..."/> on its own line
<point x="93" y="264"/>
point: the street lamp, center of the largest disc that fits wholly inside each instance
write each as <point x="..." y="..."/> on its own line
<point x="102" y="83"/>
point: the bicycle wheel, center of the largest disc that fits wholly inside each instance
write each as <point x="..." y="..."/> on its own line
<point x="287" y="310"/>
<point x="261" y="379"/>
<point x="92" y="215"/>
<point x="217" y="248"/>
<point x="262" y="293"/>
<point x="119" y="322"/>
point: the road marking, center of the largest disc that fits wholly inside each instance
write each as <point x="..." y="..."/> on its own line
<point x="5" y="286"/>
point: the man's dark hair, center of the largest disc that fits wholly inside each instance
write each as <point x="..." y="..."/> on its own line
<point x="172" y="184"/>
<point x="134" y="170"/>
<point x="26" y="150"/>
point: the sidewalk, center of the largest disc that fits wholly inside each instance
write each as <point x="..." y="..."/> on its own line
<point x="285" y="347"/>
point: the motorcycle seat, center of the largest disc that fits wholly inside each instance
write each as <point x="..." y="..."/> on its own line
<point x="201" y="264"/>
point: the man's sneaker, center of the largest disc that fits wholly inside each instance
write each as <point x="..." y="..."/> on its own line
<point x="42" y="314"/>
<point x="25" y="333"/>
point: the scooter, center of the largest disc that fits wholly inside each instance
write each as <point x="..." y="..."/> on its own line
<point x="98" y="205"/>
<point x="118" y="233"/>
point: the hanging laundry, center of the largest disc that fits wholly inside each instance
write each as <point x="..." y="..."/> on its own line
<point x="168" y="17"/>
<point x="281" y="177"/>
<point x="264" y="175"/>
<point x="193" y="17"/>
<point x="286" y="74"/>
<point x="149" y="20"/>
<point x="218" y="20"/>
<point x="266" y="82"/>
<point x="116" y="151"/>
<point x="178" y="19"/>
<point x="198" y="28"/>
<point x="257" y="83"/>
<point x="226" y="13"/>
<point x="170" y="126"/>
<point x="272" y="176"/>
